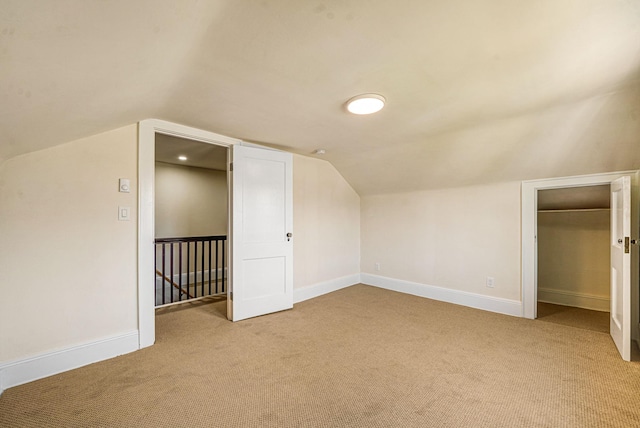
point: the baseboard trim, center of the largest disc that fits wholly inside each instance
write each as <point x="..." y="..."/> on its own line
<point x="26" y="370"/>
<point x="464" y="298"/>
<point x="306" y="293"/>
<point x="572" y="298"/>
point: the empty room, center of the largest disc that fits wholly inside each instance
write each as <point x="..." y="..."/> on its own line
<point x="331" y="213"/>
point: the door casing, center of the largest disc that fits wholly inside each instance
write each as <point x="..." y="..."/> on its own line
<point x="147" y="129"/>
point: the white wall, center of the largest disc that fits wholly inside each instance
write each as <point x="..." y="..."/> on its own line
<point x="451" y="238"/>
<point x="574" y="258"/>
<point x="189" y="201"/>
<point x="326" y="223"/>
<point x="67" y="265"/>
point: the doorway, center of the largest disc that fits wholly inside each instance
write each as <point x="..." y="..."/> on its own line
<point x="260" y="182"/>
<point x="147" y="131"/>
<point x="191" y="220"/>
<point x="574" y="257"/>
<point x="624" y="263"/>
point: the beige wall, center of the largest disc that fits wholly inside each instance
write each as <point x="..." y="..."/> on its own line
<point x="451" y="238"/>
<point x="326" y="223"/>
<point x="67" y="265"/>
<point x="189" y="201"/>
<point x="573" y="256"/>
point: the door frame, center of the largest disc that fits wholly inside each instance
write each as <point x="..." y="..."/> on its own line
<point x="529" y="231"/>
<point x="147" y="130"/>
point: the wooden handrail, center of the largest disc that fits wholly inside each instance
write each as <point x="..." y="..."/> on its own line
<point x="192" y="239"/>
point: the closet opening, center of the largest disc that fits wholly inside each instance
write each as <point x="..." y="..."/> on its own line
<point x="573" y="271"/>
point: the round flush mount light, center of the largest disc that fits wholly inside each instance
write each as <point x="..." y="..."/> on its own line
<point x="182" y="158"/>
<point x="365" y="104"/>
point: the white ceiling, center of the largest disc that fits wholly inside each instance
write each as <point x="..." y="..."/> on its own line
<point x="477" y="91"/>
<point x="198" y="154"/>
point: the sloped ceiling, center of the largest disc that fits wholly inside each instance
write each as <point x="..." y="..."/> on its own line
<point x="477" y="91"/>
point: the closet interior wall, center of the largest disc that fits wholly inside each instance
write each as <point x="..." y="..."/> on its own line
<point x="574" y="250"/>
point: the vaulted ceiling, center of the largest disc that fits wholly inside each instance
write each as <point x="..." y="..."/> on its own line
<point x="477" y="91"/>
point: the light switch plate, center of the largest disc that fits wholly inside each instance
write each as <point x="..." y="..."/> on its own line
<point x="125" y="185"/>
<point x="124" y="213"/>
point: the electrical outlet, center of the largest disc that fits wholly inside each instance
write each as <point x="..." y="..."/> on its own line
<point x="377" y="267"/>
<point x="490" y="281"/>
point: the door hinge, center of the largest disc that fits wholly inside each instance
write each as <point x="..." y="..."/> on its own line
<point x="626" y="244"/>
<point x="231" y="295"/>
<point x="231" y="166"/>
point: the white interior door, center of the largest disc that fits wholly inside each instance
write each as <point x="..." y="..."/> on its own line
<point x="261" y="220"/>
<point x="620" y="324"/>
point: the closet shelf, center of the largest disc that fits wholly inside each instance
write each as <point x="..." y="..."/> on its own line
<point x="574" y="210"/>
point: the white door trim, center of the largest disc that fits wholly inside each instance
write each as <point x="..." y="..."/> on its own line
<point x="529" y="228"/>
<point x="147" y="129"/>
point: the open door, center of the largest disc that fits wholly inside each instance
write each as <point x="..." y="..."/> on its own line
<point x="620" y="324"/>
<point x="261" y="224"/>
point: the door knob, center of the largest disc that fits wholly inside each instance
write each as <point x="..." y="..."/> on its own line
<point x="620" y="241"/>
<point x="289" y="235"/>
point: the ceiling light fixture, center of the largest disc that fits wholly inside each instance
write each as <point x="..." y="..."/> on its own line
<point x="182" y="158"/>
<point x="365" y="104"/>
<point x="319" y="151"/>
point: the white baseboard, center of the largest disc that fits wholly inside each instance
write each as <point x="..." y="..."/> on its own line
<point x="18" y="372"/>
<point x="306" y="293"/>
<point x="464" y="298"/>
<point x="571" y="298"/>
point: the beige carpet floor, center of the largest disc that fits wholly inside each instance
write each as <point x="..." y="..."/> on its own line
<point x="574" y="317"/>
<point x="358" y="357"/>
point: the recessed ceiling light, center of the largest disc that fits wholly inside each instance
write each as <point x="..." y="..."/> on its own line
<point x="365" y="104"/>
<point x="182" y="158"/>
